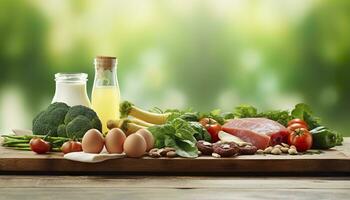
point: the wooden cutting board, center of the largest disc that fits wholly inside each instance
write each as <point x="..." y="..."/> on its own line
<point x="336" y="160"/>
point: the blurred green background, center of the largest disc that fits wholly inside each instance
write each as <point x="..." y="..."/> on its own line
<point x="177" y="54"/>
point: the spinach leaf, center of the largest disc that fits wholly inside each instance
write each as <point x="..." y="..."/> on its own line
<point x="160" y="134"/>
<point x="185" y="149"/>
<point x="177" y="134"/>
<point x="200" y="133"/>
<point x="187" y="116"/>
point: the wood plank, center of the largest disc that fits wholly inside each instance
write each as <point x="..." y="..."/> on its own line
<point x="184" y="182"/>
<point x="176" y="194"/>
<point x="170" y="187"/>
<point x="336" y="160"/>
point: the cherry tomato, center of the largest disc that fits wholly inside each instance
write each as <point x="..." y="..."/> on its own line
<point x="39" y="145"/>
<point x="298" y="121"/>
<point x="294" y="126"/>
<point x="301" y="138"/>
<point x="71" y="146"/>
<point x="76" y="146"/>
<point x="213" y="127"/>
<point x="66" y="147"/>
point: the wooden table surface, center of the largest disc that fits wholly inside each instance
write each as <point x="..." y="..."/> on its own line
<point x="333" y="161"/>
<point x="172" y="187"/>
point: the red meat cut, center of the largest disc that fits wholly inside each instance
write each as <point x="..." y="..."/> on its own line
<point x="261" y="132"/>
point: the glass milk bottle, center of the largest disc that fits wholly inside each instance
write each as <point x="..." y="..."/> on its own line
<point x="71" y="89"/>
<point x="105" y="92"/>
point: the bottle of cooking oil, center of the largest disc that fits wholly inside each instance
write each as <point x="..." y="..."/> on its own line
<point x="105" y="96"/>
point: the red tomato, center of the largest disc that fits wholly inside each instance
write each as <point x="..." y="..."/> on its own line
<point x="65" y="148"/>
<point x="294" y="126"/>
<point x="301" y="138"/>
<point x="71" y="146"/>
<point x="76" y="146"/>
<point x="298" y="121"/>
<point x="39" y="145"/>
<point x="212" y="127"/>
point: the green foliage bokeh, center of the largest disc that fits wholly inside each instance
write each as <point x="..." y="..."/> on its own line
<point x="199" y="54"/>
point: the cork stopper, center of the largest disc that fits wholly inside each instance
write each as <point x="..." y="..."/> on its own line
<point x="105" y="62"/>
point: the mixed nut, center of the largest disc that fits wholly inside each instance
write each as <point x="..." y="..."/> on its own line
<point x="279" y="149"/>
<point x="224" y="149"/>
<point x="163" y="152"/>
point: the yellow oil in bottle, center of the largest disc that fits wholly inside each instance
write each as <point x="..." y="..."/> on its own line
<point x="105" y="95"/>
<point x="105" y="102"/>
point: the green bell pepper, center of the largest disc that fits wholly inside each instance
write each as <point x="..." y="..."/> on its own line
<point x="323" y="138"/>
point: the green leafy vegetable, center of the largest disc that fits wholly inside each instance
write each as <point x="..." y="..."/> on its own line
<point x="299" y="110"/>
<point x="303" y="111"/>
<point x="177" y="134"/>
<point x="201" y="132"/>
<point x="244" y="111"/>
<point x="228" y="115"/>
<point x="187" y="116"/>
<point x="280" y="116"/>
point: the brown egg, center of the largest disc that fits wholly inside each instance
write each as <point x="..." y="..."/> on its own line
<point x="135" y="146"/>
<point x="114" y="140"/>
<point x="93" y="141"/>
<point x="148" y="138"/>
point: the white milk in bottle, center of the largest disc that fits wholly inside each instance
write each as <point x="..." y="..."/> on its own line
<point x="71" y="89"/>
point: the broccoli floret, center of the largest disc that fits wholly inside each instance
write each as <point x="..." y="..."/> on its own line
<point x="78" y="127"/>
<point x="37" y="117"/>
<point x="57" y="105"/>
<point x="47" y="121"/>
<point x="90" y="114"/>
<point x="64" y="121"/>
<point x="61" y="131"/>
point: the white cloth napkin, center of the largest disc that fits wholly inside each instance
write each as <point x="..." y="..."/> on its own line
<point x="91" y="157"/>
